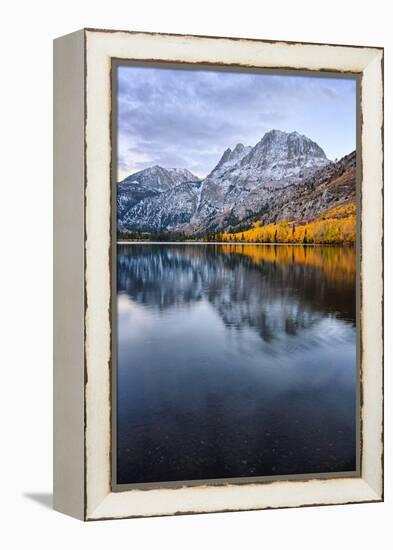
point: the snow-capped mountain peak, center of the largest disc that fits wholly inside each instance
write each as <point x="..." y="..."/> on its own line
<point x="157" y="178"/>
<point x="143" y="186"/>
<point x="230" y="158"/>
<point x="277" y="146"/>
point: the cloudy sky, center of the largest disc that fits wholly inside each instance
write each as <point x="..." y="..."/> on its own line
<point x="187" y="118"/>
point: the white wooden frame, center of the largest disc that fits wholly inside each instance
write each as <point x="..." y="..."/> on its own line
<point x="82" y="336"/>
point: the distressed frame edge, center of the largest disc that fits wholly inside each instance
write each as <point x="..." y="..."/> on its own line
<point x="372" y="268"/>
<point x="375" y="493"/>
<point x="235" y="38"/>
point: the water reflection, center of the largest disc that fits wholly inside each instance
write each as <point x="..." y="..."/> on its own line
<point x="235" y="360"/>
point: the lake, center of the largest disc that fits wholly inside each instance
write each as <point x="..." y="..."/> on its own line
<point x="235" y="361"/>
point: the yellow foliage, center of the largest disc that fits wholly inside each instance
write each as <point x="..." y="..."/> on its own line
<point x="336" y="226"/>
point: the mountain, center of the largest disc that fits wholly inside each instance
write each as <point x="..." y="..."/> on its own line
<point x="279" y="159"/>
<point x="169" y="211"/>
<point x="158" y="178"/>
<point x="245" y="181"/>
<point x="144" y="186"/>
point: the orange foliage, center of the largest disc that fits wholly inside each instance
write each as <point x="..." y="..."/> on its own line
<point x="335" y="226"/>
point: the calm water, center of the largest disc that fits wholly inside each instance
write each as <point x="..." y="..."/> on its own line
<point x="235" y="361"/>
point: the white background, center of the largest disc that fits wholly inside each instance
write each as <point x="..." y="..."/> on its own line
<point x="28" y="28"/>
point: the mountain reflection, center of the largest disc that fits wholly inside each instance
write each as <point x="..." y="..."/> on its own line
<point x="234" y="361"/>
<point x="272" y="289"/>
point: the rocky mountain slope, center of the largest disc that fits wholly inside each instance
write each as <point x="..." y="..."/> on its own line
<point x="282" y="175"/>
<point x="142" y="187"/>
<point x="328" y="187"/>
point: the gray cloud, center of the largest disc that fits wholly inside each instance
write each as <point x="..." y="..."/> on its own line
<point x="187" y="118"/>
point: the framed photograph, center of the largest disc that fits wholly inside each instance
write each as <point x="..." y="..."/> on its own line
<point x="218" y="274"/>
